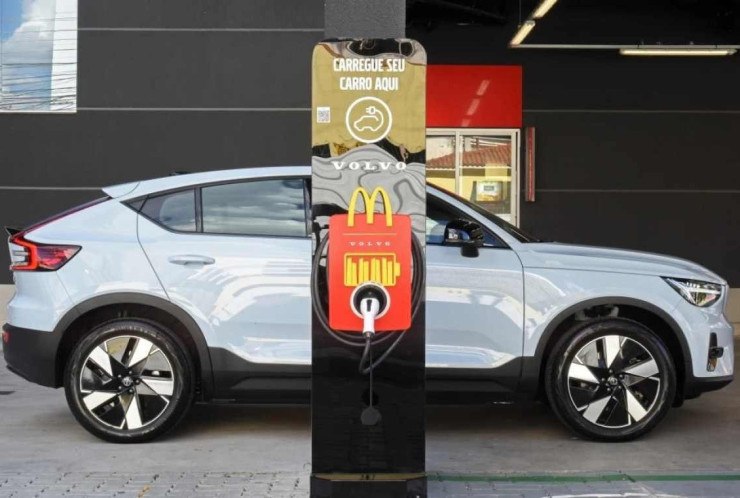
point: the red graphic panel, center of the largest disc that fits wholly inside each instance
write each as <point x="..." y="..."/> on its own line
<point x="461" y="96"/>
<point x="370" y="247"/>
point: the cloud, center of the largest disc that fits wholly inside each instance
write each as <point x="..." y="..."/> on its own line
<point x="32" y="41"/>
<point x="28" y="53"/>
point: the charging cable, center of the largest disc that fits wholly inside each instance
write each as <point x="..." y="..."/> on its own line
<point x="319" y="301"/>
<point x="371" y="306"/>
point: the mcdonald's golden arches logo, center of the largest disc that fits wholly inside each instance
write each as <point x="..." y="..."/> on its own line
<point x="369" y="201"/>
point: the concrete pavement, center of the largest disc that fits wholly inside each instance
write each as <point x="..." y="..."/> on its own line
<point x="290" y="485"/>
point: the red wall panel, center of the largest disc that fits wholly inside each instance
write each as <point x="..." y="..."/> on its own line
<point x="460" y="96"/>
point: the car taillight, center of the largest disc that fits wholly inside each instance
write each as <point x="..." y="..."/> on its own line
<point x="31" y="256"/>
<point x="26" y="255"/>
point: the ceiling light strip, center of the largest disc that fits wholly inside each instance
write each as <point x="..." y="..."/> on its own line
<point x="678" y="52"/>
<point x="543" y="8"/>
<point x="647" y="50"/>
<point x="520" y="35"/>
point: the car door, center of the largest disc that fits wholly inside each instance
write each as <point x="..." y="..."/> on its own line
<point x="474" y="305"/>
<point x="236" y="256"/>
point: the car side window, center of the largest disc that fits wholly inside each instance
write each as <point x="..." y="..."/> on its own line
<point x="175" y="210"/>
<point x="273" y="207"/>
<point x="439" y="214"/>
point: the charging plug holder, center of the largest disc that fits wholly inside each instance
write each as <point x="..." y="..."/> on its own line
<point x="374" y="248"/>
<point x="370" y="290"/>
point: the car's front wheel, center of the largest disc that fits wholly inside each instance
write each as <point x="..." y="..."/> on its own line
<point x="129" y="381"/>
<point x="610" y="379"/>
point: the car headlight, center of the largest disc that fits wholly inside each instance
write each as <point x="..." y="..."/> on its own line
<point x="696" y="292"/>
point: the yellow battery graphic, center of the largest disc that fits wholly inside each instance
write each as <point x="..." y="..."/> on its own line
<point x="376" y="267"/>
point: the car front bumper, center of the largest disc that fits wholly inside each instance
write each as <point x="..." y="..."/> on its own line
<point x="694" y="386"/>
<point x="706" y="329"/>
<point x="31" y="354"/>
<point x="699" y="326"/>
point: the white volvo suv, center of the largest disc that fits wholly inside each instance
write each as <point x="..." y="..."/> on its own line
<point x="196" y="288"/>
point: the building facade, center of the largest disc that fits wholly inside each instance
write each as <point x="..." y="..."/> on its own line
<point x="634" y="153"/>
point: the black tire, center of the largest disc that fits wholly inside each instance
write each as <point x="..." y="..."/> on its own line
<point x="140" y="365"/>
<point x="610" y="404"/>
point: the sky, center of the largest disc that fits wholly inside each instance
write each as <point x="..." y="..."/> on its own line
<point x="10" y="17"/>
<point x="27" y="45"/>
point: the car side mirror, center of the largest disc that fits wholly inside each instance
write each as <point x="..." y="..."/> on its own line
<point x="466" y="234"/>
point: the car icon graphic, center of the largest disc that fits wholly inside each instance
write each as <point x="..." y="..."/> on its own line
<point x="372" y="120"/>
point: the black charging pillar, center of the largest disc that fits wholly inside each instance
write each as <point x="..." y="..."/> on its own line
<point x="364" y="19"/>
<point x="368" y="142"/>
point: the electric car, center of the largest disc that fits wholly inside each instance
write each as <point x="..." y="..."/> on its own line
<point x="195" y="287"/>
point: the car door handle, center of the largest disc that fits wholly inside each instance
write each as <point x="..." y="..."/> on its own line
<point x="191" y="260"/>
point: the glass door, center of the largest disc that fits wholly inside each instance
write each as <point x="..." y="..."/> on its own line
<point x="441" y="161"/>
<point x="479" y="165"/>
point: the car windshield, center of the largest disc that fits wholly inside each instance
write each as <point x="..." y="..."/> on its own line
<point x="515" y="232"/>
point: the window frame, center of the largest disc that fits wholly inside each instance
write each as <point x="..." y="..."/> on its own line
<point x="459" y="134"/>
<point x="198" y="199"/>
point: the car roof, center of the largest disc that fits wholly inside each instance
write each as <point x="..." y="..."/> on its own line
<point x="145" y="187"/>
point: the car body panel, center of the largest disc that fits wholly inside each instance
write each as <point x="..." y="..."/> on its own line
<point x="120" y="190"/>
<point x="550" y="292"/>
<point x="602" y="259"/>
<point x="474" y="308"/>
<point x="483" y="313"/>
<point x="39" y="301"/>
<point x="110" y="261"/>
<point x="254" y="299"/>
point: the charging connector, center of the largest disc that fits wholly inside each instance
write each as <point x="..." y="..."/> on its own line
<point x="369" y="309"/>
<point x="369" y="301"/>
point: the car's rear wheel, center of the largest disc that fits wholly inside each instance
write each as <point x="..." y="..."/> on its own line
<point x="129" y="381"/>
<point x="610" y="379"/>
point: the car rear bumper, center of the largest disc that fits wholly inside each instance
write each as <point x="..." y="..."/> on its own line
<point x="31" y="354"/>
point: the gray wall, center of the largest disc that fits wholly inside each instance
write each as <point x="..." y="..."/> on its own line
<point x="638" y="153"/>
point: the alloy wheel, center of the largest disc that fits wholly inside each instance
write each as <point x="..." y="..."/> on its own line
<point x="126" y="382"/>
<point x="613" y="381"/>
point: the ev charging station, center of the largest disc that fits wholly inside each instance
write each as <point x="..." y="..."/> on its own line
<point x="368" y="195"/>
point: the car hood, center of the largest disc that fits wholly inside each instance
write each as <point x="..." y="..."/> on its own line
<point x="577" y="257"/>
